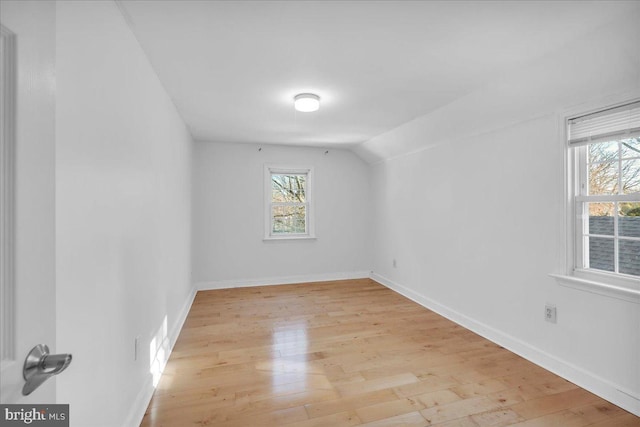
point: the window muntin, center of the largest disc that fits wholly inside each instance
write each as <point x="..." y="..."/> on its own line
<point x="288" y="202"/>
<point x="606" y="149"/>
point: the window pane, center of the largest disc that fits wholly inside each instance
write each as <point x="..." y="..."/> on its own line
<point x="601" y="218"/>
<point x="631" y="176"/>
<point x="288" y="188"/>
<point x="630" y="147"/>
<point x="629" y="219"/>
<point x="289" y="219"/>
<point x="601" y="253"/>
<point x="603" y="178"/>
<point x="603" y="151"/>
<point x="629" y="257"/>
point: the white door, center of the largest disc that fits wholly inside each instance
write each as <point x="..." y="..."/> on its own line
<point x="28" y="306"/>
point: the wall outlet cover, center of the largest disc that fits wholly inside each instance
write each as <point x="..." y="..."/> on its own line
<point x="550" y="313"/>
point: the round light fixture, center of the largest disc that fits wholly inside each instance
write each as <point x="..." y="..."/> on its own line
<point x="306" y="102"/>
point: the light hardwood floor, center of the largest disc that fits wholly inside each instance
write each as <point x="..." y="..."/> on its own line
<point x="352" y="353"/>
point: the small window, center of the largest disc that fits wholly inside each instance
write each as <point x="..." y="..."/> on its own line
<point x="605" y="153"/>
<point x="288" y="203"/>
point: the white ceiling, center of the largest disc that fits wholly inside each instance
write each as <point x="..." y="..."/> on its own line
<point x="232" y="68"/>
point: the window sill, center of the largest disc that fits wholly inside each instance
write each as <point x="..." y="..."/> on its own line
<point x="597" y="287"/>
<point x="280" y="238"/>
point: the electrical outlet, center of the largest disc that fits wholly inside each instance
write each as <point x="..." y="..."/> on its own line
<point x="550" y="314"/>
<point x="395" y="264"/>
<point x="136" y="347"/>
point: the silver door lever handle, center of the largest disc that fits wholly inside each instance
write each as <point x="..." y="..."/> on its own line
<point x="40" y="366"/>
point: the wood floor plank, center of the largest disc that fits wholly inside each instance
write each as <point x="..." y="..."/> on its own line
<point x="496" y="418"/>
<point x="554" y="403"/>
<point x="353" y="353"/>
<point x="349" y="403"/>
<point x="459" y="409"/>
<point x="388" y="409"/>
<point x="624" y="420"/>
<point x="556" y="419"/>
<point x="341" y="419"/>
<point x="436" y="398"/>
<point x="412" y="419"/>
<point x="460" y="422"/>
<point x="598" y="411"/>
<point x="391" y="381"/>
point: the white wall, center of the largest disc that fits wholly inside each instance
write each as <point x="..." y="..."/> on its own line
<point x="469" y="200"/>
<point x="122" y="214"/>
<point x="228" y="217"/>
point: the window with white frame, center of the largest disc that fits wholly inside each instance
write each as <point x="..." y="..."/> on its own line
<point x="288" y="202"/>
<point x="605" y="157"/>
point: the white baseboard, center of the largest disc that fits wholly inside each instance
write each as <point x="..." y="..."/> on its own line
<point x="174" y="332"/>
<point x="615" y="394"/>
<point x="140" y="404"/>
<point x="282" y="280"/>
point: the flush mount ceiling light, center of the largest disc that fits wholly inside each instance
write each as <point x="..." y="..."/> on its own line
<point x="306" y="102"/>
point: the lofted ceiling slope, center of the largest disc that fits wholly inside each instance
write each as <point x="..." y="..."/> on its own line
<point x="232" y="68"/>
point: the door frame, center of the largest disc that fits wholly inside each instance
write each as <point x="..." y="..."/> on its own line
<point x="7" y="195"/>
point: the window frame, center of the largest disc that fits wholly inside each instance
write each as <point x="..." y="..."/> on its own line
<point x="576" y="275"/>
<point x="582" y="199"/>
<point x="271" y="169"/>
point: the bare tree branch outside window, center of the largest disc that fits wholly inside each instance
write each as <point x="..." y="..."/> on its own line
<point x="288" y="196"/>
